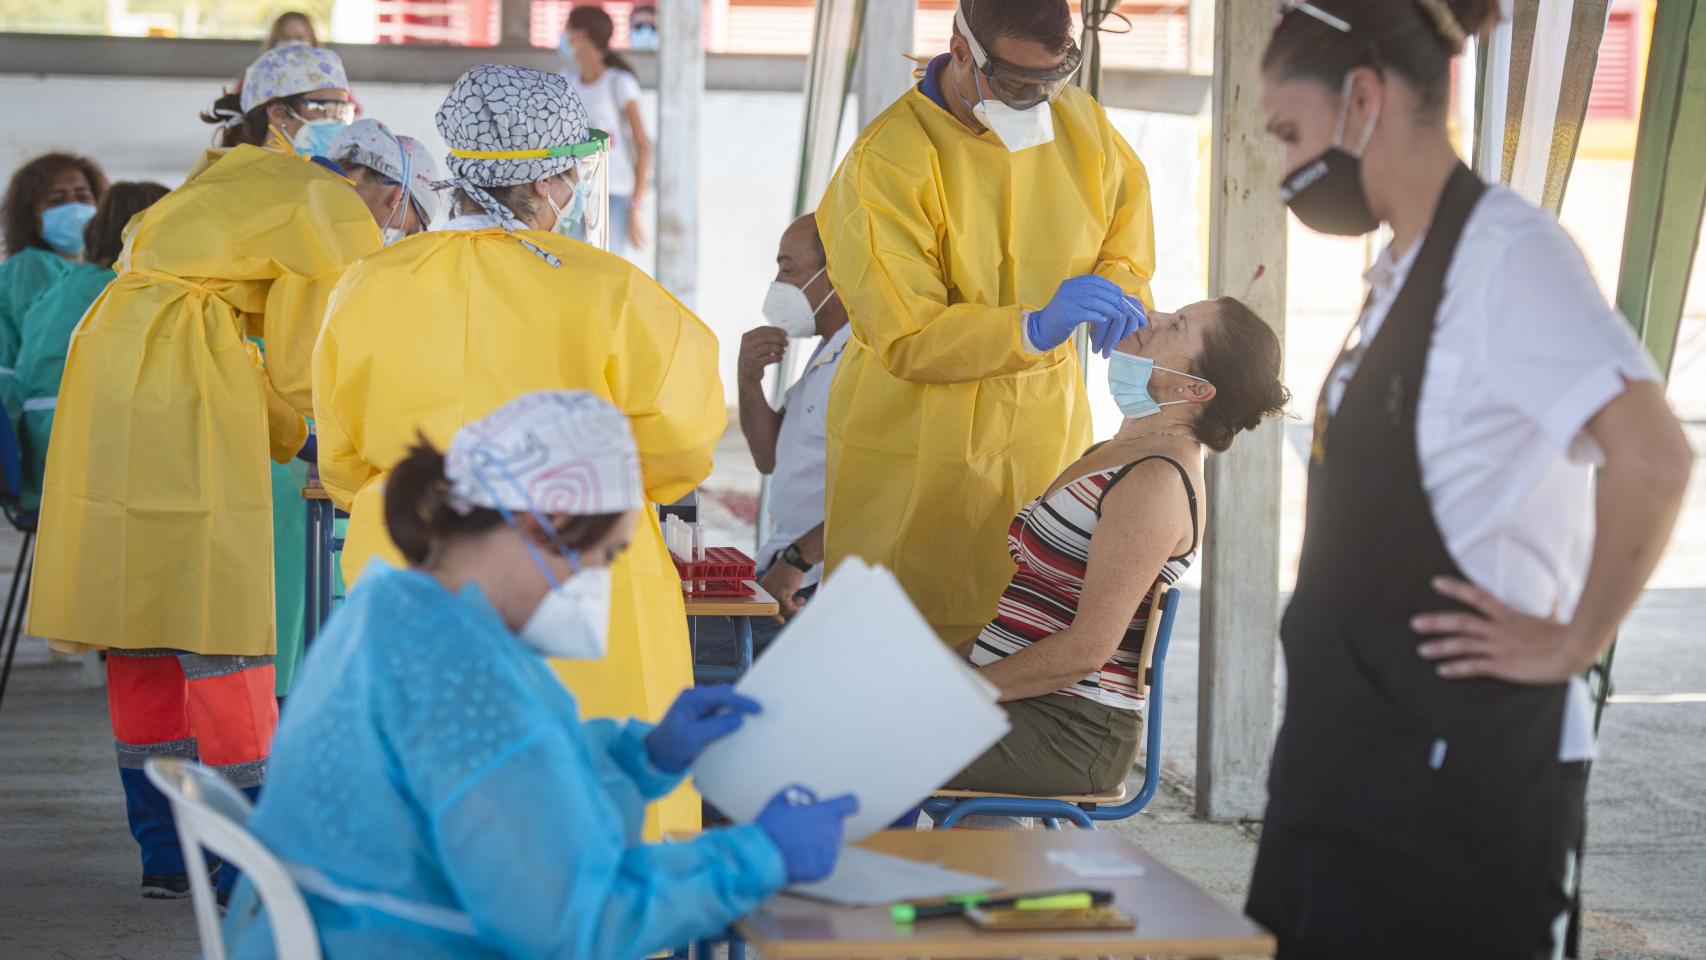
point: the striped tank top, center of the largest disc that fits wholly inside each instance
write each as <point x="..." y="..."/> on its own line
<point x="1050" y="541"/>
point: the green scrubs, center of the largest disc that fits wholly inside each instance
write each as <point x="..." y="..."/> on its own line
<point x="24" y="276"/>
<point x="47" y="327"/>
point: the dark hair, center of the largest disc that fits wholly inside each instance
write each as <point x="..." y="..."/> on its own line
<point x="103" y="237"/>
<point x="1048" y="22"/>
<point x="1407" y="36"/>
<point x="516" y="197"/>
<point x="29" y="184"/>
<point x="1241" y="356"/>
<point x="276" y="34"/>
<point x="599" y="28"/>
<point x="252" y="129"/>
<point x="419" y="517"/>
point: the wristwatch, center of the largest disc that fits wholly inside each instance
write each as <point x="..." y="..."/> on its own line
<point x="791" y="556"/>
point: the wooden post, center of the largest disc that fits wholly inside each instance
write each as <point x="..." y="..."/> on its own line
<point x="515" y="23"/>
<point x="883" y="73"/>
<point x="681" y="91"/>
<point x="1240" y="601"/>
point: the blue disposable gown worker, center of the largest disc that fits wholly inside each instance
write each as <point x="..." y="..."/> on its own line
<point x="48" y="325"/>
<point x="490" y="820"/>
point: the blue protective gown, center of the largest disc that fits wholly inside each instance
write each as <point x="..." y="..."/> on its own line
<point x="436" y="795"/>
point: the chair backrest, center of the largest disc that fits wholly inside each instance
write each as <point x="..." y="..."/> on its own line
<point x="1151" y="631"/>
<point x="11" y="463"/>
<point x="212" y="816"/>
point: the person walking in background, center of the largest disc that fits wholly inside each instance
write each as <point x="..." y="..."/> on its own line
<point x="292" y="26"/>
<point x="975" y="226"/>
<point x="48" y="203"/>
<point x="610" y="93"/>
<point x="50" y="321"/>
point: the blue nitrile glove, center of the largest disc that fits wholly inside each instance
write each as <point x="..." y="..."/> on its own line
<point x="1090" y="299"/>
<point x="697" y="717"/>
<point x="310" y="452"/>
<point x="807" y="831"/>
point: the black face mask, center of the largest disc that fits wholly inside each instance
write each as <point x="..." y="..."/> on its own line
<point x="1326" y="193"/>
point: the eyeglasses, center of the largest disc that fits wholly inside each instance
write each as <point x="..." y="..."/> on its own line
<point x="1288" y="7"/>
<point x="1019" y="87"/>
<point x="340" y="110"/>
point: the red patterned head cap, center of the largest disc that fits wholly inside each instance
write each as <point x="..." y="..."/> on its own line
<point x="553" y="452"/>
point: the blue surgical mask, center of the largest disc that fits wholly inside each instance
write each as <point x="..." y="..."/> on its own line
<point x="62" y="226"/>
<point x="1128" y="381"/>
<point x="643" y="37"/>
<point x="564" y="49"/>
<point x="314" y="138"/>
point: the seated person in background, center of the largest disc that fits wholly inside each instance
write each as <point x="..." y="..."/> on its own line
<point x="392" y="173"/>
<point x="1064" y="646"/>
<point x="433" y="789"/>
<point x="788" y="444"/>
<point x="49" y="321"/>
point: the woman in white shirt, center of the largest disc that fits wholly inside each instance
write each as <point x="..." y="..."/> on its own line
<point x="611" y="94"/>
<point x="1461" y="568"/>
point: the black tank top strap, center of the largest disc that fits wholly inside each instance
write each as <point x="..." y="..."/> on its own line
<point x="1190" y="494"/>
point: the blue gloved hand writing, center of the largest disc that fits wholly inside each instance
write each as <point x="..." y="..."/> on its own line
<point x="807" y="831"/>
<point x="697" y="717"/>
<point x="1097" y="301"/>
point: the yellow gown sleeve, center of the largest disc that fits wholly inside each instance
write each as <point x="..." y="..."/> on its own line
<point x="287" y="431"/>
<point x="1128" y="252"/>
<point x="663" y="375"/>
<point x="884" y="261"/>
<point x="343" y="472"/>
<point x="295" y="311"/>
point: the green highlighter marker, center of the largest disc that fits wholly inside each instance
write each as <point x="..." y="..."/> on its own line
<point x="1047" y="900"/>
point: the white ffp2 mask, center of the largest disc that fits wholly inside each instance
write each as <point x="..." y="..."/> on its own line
<point x="786" y="306"/>
<point x="573" y="621"/>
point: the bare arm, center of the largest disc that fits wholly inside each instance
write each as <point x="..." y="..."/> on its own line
<point x="642" y="149"/>
<point x="1144" y="517"/>
<point x="1641" y="486"/>
<point x="759" y="422"/>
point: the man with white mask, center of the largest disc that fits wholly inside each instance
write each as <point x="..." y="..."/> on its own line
<point x="788" y="444"/>
<point x="434" y="790"/>
<point x="976" y="225"/>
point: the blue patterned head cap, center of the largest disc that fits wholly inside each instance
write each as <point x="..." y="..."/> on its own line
<point x="289" y="70"/>
<point x="499" y="108"/>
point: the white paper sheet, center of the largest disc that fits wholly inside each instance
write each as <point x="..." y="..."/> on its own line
<point x="859" y="697"/>
<point x="1095" y="864"/>
<point x="864" y="878"/>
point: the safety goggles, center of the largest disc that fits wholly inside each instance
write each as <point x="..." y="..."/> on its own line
<point x="1019" y="87"/>
<point x="309" y="109"/>
<point x="1288" y="7"/>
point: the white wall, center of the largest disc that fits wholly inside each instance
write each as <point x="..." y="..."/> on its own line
<point x="148" y="129"/>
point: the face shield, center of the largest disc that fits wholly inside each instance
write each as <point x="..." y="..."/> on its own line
<point x="1018" y="87"/>
<point x="592" y="190"/>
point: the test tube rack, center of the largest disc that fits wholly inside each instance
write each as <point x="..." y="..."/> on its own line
<point x="724" y="572"/>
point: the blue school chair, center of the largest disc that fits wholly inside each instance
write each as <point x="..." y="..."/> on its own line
<point x="949" y="807"/>
<point x="24" y="521"/>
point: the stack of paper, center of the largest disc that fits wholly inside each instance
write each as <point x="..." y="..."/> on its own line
<point x="865" y="878"/>
<point x="859" y="697"/>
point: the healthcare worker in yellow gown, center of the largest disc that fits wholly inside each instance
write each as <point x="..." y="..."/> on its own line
<point x="443" y="328"/>
<point x="156" y="530"/>
<point x="975" y="225"/>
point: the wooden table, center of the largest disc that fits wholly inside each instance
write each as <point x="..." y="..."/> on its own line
<point x="1174" y="916"/>
<point x="742" y="609"/>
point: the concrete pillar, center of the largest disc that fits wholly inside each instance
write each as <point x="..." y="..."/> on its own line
<point x="884" y="73"/>
<point x="1247" y="227"/>
<point x="515" y="23"/>
<point x="681" y="90"/>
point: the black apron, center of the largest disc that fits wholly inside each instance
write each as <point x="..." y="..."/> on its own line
<point x="1409" y="816"/>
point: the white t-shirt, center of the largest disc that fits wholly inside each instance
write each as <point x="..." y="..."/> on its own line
<point x="796" y="487"/>
<point x="1525" y="352"/>
<point x="606" y="100"/>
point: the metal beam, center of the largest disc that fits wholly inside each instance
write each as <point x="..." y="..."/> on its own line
<point x="1240" y="600"/>
<point x="884" y="73"/>
<point x="681" y="92"/>
<point x="160" y="57"/>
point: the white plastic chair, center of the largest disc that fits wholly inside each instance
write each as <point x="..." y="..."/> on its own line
<point x="212" y="817"/>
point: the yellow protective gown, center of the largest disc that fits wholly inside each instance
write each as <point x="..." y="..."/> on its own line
<point x="156" y="526"/>
<point x="445" y="327"/>
<point x="941" y="423"/>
